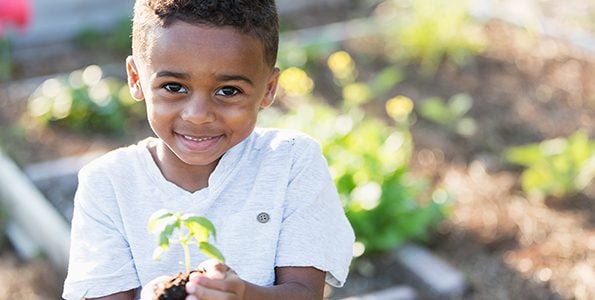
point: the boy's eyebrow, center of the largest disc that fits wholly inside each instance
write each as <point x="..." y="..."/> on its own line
<point x="171" y="74"/>
<point x="224" y="77"/>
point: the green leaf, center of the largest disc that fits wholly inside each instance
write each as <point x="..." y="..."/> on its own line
<point x="211" y="251"/>
<point x="386" y="80"/>
<point x="198" y="232"/>
<point x="199" y="227"/>
<point x="165" y="235"/>
<point x="436" y="110"/>
<point x="523" y="155"/>
<point x="158" y="252"/>
<point x="156" y="218"/>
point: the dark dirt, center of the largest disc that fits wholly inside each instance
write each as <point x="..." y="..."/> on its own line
<point x="525" y="89"/>
<point x="174" y="288"/>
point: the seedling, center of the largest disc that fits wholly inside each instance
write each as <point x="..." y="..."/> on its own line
<point x="185" y="229"/>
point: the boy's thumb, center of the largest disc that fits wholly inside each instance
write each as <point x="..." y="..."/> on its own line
<point x="213" y="269"/>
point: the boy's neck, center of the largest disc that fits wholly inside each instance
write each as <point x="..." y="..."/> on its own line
<point x="188" y="177"/>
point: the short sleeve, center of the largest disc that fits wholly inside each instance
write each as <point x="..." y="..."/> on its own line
<point x="315" y="231"/>
<point x="100" y="261"/>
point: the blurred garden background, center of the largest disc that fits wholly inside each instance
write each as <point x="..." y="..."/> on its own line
<point x="465" y="126"/>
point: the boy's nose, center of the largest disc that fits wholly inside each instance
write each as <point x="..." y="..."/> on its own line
<point x="198" y="110"/>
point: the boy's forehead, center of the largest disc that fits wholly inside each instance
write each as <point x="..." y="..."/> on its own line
<point x="181" y="33"/>
<point x="182" y="42"/>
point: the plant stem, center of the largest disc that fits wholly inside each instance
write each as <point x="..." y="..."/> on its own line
<point x="186" y="256"/>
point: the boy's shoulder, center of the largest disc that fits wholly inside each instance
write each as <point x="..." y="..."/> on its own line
<point x="117" y="158"/>
<point x="274" y="138"/>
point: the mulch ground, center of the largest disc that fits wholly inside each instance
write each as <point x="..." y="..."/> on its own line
<point x="525" y="89"/>
<point x="510" y="246"/>
<point x="32" y="281"/>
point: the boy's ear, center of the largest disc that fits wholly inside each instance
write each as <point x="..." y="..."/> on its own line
<point x="133" y="79"/>
<point x="271" y="91"/>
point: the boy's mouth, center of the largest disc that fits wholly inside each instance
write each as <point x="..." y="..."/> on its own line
<point x="198" y="139"/>
<point x="199" y="143"/>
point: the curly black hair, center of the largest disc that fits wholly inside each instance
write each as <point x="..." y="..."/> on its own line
<point x="254" y="17"/>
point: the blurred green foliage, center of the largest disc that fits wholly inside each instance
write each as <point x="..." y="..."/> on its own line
<point x="557" y="167"/>
<point x="368" y="155"/>
<point x="450" y="114"/>
<point x="85" y="102"/>
<point x="13" y="138"/>
<point x="5" y="59"/>
<point x="430" y="31"/>
<point x="369" y="161"/>
<point x="117" y="40"/>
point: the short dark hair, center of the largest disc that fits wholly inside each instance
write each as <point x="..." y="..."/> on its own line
<point x="257" y="18"/>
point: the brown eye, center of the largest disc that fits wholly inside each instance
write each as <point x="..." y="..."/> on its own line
<point x="175" y="88"/>
<point x="227" y="91"/>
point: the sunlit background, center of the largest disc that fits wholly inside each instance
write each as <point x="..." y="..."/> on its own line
<point x="464" y="128"/>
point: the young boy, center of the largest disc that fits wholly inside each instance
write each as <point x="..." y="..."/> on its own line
<point x="204" y="69"/>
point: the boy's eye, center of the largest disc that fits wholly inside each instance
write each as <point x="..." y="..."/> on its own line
<point x="175" y="88"/>
<point x="227" y="91"/>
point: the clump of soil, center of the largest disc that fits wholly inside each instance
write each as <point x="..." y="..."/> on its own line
<point x="174" y="288"/>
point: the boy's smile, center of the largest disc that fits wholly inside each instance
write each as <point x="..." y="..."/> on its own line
<point x="203" y="87"/>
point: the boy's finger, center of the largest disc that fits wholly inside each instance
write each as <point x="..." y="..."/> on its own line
<point x="211" y="274"/>
<point x="232" y="284"/>
<point x="212" y="264"/>
<point x="204" y="292"/>
<point x="213" y="269"/>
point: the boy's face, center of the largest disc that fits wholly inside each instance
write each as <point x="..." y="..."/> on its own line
<point x="203" y="88"/>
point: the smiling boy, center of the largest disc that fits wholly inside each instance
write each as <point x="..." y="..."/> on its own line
<point x="204" y="87"/>
<point x="204" y="70"/>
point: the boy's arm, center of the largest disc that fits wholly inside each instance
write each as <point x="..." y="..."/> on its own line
<point x="292" y="283"/>
<point x="128" y="295"/>
<point x="220" y="282"/>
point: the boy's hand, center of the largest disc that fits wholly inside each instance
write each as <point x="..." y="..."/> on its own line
<point x="149" y="289"/>
<point x="217" y="281"/>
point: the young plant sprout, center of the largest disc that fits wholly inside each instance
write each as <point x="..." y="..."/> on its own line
<point x="185" y="229"/>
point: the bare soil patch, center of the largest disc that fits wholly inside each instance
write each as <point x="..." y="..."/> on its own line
<point x="33" y="280"/>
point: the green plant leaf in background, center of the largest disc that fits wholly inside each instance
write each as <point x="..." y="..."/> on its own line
<point x="557" y="167"/>
<point x="429" y="31"/>
<point x="85" y="101"/>
<point x="386" y="80"/>
<point x="450" y="113"/>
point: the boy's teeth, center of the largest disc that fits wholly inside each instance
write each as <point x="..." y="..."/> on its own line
<point x="195" y="139"/>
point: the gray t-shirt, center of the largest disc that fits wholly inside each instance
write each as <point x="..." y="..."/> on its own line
<point x="279" y="173"/>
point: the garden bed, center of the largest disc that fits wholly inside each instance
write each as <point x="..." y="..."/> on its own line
<point x="525" y="90"/>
